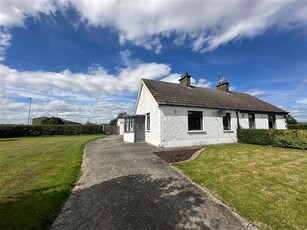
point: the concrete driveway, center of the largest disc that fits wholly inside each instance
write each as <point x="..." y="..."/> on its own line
<point x="125" y="186"/>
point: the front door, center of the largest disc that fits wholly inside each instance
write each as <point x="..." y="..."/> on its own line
<point x="140" y="129"/>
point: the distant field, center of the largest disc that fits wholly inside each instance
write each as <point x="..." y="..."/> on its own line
<point x="36" y="177"/>
<point x="266" y="185"/>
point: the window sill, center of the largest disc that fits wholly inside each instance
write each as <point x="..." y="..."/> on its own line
<point x="197" y="131"/>
<point x="228" y="131"/>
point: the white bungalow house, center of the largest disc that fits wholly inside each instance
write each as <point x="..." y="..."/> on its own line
<point x="171" y="115"/>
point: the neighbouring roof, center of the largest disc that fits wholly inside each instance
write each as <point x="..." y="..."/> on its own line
<point x="166" y="93"/>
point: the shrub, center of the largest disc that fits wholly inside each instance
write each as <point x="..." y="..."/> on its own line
<point x="280" y="138"/>
<point x="48" y="130"/>
<point x="297" y="126"/>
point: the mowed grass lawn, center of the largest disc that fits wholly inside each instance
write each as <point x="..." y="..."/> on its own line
<point x="266" y="185"/>
<point x="36" y="177"/>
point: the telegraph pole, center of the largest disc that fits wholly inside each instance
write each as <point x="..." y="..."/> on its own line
<point x="29" y="111"/>
<point x="57" y="112"/>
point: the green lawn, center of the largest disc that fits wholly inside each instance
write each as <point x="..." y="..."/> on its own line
<point x="36" y="177"/>
<point x="266" y="185"/>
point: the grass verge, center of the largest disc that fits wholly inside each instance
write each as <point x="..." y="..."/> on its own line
<point x="267" y="185"/>
<point x="37" y="175"/>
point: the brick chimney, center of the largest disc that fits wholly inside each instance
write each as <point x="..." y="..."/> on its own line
<point x="185" y="80"/>
<point x="223" y="86"/>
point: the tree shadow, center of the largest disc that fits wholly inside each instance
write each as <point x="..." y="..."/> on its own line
<point x="141" y="202"/>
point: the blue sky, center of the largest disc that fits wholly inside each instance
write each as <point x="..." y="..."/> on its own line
<point x="85" y="59"/>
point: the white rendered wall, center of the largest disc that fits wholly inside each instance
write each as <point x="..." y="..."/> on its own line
<point x="147" y="104"/>
<point x="175" y="132"/>
<point x="281" y="122"/>
<point x="261" y="121"/>
<point x="243" y="118"/>
<point x="129" y="137"/>
<point x="120" y="124"/>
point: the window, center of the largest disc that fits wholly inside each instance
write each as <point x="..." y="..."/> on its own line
<point x="251" y="121"/>
<point x="272" y="121"/>
<point x="226" y="122"/>
<point x="148" y="121"/>
<point x="195" y="120"/>
<point x="129" y="123"/>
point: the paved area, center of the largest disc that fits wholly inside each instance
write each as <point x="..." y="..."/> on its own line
<point x="125" y="186"/>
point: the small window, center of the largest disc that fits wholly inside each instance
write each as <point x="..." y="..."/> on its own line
<point x="226" y="122"/>
<point x="148" y="121"/>
<point x="195" y="120"/>
<point x="131" y="125"/>
<point x="272" y="121"/>
<point x="251" y="121"/>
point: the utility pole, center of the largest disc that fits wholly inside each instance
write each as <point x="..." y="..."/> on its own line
<point x="57" y="112"/>
<point x="29" y="110"/>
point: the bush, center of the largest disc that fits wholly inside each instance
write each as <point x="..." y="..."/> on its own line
<point x="298" y="126"/>
<point x="48" y="130"/>
<point x="296" y="139"/>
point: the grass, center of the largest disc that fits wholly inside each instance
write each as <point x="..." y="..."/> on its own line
<point x="267" y="185"/>
<point x="36" y="178"/>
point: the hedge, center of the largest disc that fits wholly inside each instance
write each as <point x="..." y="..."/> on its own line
<point x="298" y="126"/>
<point x="48" y="130"/>
<point x="296" y="139"/>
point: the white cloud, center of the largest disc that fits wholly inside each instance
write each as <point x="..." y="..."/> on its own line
<point x="203" y="83"/>
<point x="5" y="42"/>
<point x="97" y="83"/>
<point x="302" y="101"/>
<point x="205" y="24"/>
<point x="256" y="92"/>
<point x="172" y="78"/>
<point x="14" y="13"/>
<point x="97" y="112"/>
<point x="127" y="60"/>
<point x="77" y="96"/>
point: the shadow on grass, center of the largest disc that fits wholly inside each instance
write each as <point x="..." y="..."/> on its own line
<point x="34" y="209"/>
<point x="11" y="139"/>
<point x="137" y="202"/>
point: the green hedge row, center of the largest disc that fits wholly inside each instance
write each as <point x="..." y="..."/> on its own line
<point x="298" y="126"/>
<point x="48" y="130"/>
<point x="296" y="139"/>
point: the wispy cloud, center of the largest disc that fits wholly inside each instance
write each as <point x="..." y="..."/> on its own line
<point x="256" y="92"/>
<point x="127" y="60"/>
<point x="5" y="42"/>
<point x="302" y="101"/>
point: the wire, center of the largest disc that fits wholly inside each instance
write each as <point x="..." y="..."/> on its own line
<point x="33" y="61"/>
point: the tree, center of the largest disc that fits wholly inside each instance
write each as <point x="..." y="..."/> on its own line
<point x="113" y="122"/>
<point x="121" y="115"/>
<point x="52" y="121"/>
<point x="291" y="120"/>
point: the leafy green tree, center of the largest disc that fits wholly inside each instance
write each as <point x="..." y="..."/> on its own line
<point x="113" y="122"/>
<point x="291" y="120"/>
<point x="52" y="121"/>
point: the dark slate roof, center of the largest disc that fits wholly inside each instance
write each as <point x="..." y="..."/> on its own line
<point x="166" y="93"/>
